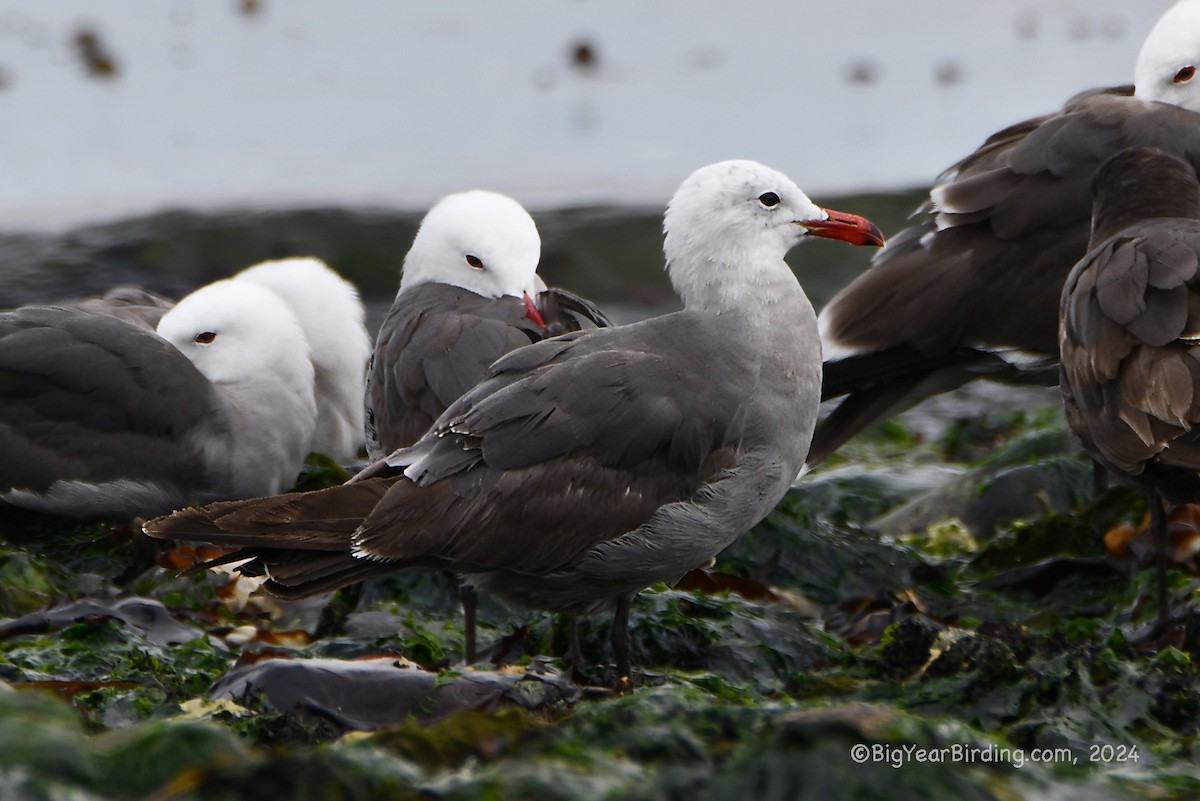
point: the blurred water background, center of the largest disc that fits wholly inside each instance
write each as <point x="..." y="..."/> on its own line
<point x="174" y="142"/>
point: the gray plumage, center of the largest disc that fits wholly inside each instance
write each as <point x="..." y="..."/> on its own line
<point x="469" y="293"/>
<point x="103" y="418"/>
<point x="130" y="303"/>
<point x="438" y="341"/>
<point x="596" y="463"/>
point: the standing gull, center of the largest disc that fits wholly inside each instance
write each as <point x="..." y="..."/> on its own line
<point x="102" y="418"/>
<point x="973" y="288"/>
<point x="1130" y="335"/>
<point x="469" y="293"/>
<point x="594" y="464"/>
<point x="467" y="297"/>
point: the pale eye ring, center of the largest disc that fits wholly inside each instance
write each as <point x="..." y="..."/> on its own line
<point x="769" y="199"/>
<point x="474" y="262"/>
<point x="1185" y="74"/>
<point x="206" y="337"/>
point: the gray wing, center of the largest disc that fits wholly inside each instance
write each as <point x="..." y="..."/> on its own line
<point x="590" y="421"/>
<point x="130" y="303"/>
<point x="573" y="442"/>
<point x="92" y="398"/>
<point x="438" y="341"/>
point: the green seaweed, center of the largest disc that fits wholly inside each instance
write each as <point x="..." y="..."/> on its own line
<point x="998" y="624"/>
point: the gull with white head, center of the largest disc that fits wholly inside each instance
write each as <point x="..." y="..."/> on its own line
<point x="331" y="315"/>
<point x="101" y="418"/>
<point x="469" y="293"/>
<point x="591" y="465"/>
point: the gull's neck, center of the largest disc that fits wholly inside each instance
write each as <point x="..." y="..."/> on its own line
<point x="735" y="278"/>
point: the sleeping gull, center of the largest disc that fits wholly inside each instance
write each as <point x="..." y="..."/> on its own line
<point x="101" y="418"/>
<point x="594" y="464"/>
<point x="329" y="311"/>
<point x="331" y="315"/>
<point x="973" y="288"/>
<point x="130" y="303"/>
<point x="469" y="293"/>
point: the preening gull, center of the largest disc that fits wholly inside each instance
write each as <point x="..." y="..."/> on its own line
<point x="102" y="418"/>
<point x="973" y="288"/>
<point x="1130" y="336"/>
<point x="469" y="293"/>
<point x="591" y="465"/>
<point x="331" y="314"/>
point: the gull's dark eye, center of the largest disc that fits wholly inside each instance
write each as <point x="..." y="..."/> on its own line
<point x="205" y="337"/>
<point x="475" y="262"/>
<point x="1184" y="75"/>
<point x="769" y="199"/>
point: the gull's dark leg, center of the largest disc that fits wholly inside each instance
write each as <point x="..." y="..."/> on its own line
<point x="1099" y="479"/>
<point x="468" y="596"/>
<point x="574" y="655"/>
<point x="1158" y="524"/>
<point x="620" y="641"/>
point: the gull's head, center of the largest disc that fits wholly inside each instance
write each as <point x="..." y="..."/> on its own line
<point x="1168" y="62"/>
<point x="327" y="307"/>
<point x="478" y="240"/>
<point x="331" y="314"/>
<point x="743" y="217"/>
<point x="236" y="332"/>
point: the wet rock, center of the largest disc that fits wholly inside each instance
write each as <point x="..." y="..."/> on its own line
<point x="825" y="562"/>
<point x="147" y="616"/>
<point x="858" y="493"/>
<point x="370" y="694"/>
<point x="989" y="498"/>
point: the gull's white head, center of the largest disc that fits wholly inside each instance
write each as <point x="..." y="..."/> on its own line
<point x="326" y="305"/>
<point x="478" y="240"/>
<point x="331" y="314"/>
<point x="1168" y="63"/>
<point x="237" y="333"/>
<point x="732" y="223"/>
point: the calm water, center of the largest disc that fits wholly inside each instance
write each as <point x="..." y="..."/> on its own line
<point x="122" y="108"/>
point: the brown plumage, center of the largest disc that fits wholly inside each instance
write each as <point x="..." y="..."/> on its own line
<point x="1130" y="331"/>
<point x="972" y="289"/>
